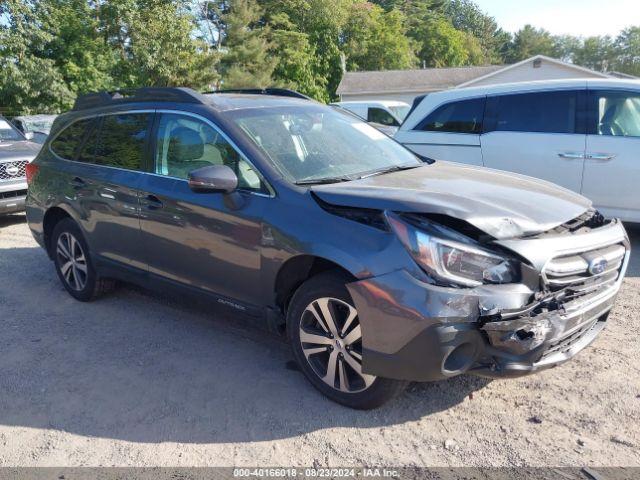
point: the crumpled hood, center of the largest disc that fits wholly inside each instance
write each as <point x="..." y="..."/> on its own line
<point x="504" y="205"/>
<point x="14" y="150"/>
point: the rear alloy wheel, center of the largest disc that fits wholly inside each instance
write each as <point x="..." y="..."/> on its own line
<point x="332" y="344"/>
<point x="326" y="338"/>
<point x="72" y="259"/>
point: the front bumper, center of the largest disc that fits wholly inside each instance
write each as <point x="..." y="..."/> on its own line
<point x="417" y="331"/>
<point x="12" y="202"/>
<point x="13" y="194"/>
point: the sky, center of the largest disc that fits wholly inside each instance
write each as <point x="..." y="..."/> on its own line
<point x="574" y="17"/>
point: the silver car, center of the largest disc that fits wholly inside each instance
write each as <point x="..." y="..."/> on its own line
<point x="15" y="153"/>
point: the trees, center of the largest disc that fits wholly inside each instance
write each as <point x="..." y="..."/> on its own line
<point x="627" y="47"/>
<point x="29" y="82"/>
<point x="530" y="41"/>
<point x="491" y="39"/>
<point x="52" y="50"/>
<point x="246" y="61"/>
<point x="374" y="39"/>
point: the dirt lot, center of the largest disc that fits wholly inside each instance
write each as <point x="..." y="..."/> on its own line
<point x="135" y="379"/>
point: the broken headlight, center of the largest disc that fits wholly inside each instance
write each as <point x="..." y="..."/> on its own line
<point x="445" y="255"/>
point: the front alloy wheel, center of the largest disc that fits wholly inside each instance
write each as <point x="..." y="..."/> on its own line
<point x="331" y="340"/>
<point x="326" y="339"/>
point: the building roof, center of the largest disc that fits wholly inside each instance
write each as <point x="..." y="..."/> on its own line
<point x="435" y="79"/>
<point x="388" y="81"/>
<point x="622" y="75"/>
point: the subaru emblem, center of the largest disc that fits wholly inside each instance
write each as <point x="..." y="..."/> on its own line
<point x="598" y="265"/>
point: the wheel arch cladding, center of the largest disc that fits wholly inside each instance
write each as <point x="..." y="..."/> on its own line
<point x="51" y="219"/>
<point x="296" y="270"/>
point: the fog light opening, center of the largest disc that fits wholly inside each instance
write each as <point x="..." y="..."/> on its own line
<point x="460" y="359"/>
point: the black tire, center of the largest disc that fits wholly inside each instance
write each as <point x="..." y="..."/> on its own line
<point x="84" y="286"/>
<point x="329" y="288"/>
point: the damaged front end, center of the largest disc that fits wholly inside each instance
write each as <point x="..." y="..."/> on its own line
<point x="568" y="281"/>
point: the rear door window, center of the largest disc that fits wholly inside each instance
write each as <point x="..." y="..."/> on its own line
<point x="465" y="116"/>
<point x="381" y="116"/>
<point x="541" y="112"/>
<point x="123" y="140"/>
<point x="68" y="142"/>
<point x="615" y="113"/>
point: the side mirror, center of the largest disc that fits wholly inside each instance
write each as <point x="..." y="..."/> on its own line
<point x="29" y="135"/>
<point x="213" y="179"/>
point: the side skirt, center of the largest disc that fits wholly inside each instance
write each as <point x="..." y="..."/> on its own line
<point x="261" y="317"/>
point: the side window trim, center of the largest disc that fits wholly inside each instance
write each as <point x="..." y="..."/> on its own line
<point x="271" y="192"/>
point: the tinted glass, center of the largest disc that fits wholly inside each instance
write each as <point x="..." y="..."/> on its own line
<point x="378" y="115"/>
<point x="544" y="112"/>
<point x="186" y="143"/>
<point x="618" y="113"/>
<point x="122" y="140"/>
<point x="67" y="143"/>
<point x="88" y="147"/>
<point x="457" y="117"/>
<point x="310" y="142"/>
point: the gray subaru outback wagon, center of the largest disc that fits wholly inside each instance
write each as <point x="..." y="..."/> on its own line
<point x="382" y="268"/>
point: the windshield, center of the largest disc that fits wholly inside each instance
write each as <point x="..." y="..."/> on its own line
<point x="38" y="124"/>
<point x="7" y="132"/>
<point x="400" y="111"/>
<point x="319" y="143"/>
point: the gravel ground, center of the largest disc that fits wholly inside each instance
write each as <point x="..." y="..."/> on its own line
<point x="138" y="380"/>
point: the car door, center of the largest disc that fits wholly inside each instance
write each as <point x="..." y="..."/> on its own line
<point x="450" y="132"/>
<point x="103" y="180"/>
<point x="211" y="241"/>
<point x="612" y="164"/>
<point x="540" y="134"/>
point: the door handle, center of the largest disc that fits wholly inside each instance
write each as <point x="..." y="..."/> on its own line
<point x="603" y="157"/>
<point x="77" y="183"/>
<point x="571" y="155"/>
<point x="152" y="202"/>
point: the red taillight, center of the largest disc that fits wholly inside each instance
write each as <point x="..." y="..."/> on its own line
<point x="31" y="170"/>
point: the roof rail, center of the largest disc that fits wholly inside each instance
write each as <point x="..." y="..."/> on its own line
<point x="146" y="94"/>
<point x="283" y="92"/>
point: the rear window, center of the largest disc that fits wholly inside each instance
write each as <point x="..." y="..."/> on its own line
<point x="457" y="117"/>
<point x="122" y="140"/>
<point x="68" y="141"/>
<point x="543" y="112"/>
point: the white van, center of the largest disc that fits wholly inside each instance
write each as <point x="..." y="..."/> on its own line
<point x="581" y="134"/>
<point x="386" y="113"/>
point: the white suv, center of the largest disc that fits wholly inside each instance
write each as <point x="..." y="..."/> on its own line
<point x="581" y="134"/>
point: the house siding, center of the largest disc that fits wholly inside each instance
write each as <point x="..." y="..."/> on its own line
<point x="526" y="73"/>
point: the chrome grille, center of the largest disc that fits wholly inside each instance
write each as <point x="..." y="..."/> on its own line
<point x="13" y="170"/>
<point x="585" y="271"/>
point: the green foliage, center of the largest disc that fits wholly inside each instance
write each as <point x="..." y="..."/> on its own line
<point x="376" y="40"/>
<point x="487" y="41"/>
<point x="29" y="83"/>
<point x="246" y="62"/>
<point x="53" y="50"/>
<point x="530" y="41"/>
<point x="441" y="45"/>
<point x="628" y="51"/>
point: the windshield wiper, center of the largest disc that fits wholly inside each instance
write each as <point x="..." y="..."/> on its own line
<point x="320" y="181"/>
<point x="395" y="168"/>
